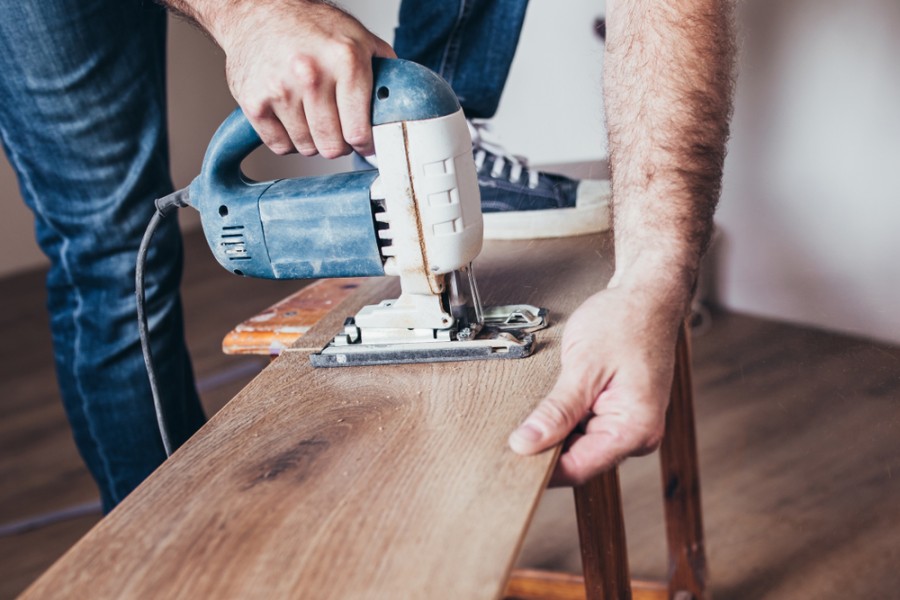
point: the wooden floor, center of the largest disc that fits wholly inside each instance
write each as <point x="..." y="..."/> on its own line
<point x="799" y="440"/>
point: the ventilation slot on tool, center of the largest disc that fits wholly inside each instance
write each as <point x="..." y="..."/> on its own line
<point x="383" y="234"/>
<point x="233" y="244"/>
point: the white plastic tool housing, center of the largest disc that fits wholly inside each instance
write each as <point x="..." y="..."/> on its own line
<point x="429" y="185"/>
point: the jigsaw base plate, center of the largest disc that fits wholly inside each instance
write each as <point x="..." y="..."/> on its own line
<point x="501" y="346"/>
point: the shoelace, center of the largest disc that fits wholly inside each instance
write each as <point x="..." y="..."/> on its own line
<point x="484" y="147"/>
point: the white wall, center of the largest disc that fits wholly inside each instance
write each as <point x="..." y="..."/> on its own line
<point x="811" y="205"/>
<point x="551" y="110"/>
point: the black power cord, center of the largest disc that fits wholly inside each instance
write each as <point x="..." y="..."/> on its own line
<point x="164" y="206"/>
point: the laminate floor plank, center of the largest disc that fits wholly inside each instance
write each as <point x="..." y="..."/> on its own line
<point x="379" y="482"/>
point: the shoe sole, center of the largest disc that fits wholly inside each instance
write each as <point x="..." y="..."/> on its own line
<point x="590" y="215"/>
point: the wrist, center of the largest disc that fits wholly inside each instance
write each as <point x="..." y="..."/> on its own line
<point x="228" y="22"/>
<point x="664" y="282"/>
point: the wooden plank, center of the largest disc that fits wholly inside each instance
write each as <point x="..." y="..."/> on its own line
<point x="283" y="323"/>
<point x="388" y="482"/>
<point x="533" y="584"/>
<point x="601" y="530"/>
<point x="681" y="483"/>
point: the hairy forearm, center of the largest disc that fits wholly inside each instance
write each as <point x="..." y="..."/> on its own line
<point x="210" y="15"/>
<point x="668" y="87"/>
<point x="220" y="17"/>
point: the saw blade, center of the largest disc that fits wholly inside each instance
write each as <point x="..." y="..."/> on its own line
<point x="502" y="345"/>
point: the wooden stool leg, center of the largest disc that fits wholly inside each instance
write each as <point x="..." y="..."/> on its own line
<point x="601" y="529"/>
<point x="681" y="485"/>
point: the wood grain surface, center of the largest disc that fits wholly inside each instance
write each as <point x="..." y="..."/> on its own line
<point x="681" y="484"/>
<point x="536" y="584"/>
<point x="601" y="530"/>
<point x="386" y="482"/>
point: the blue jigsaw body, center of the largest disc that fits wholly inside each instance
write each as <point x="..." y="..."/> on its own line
<point x="309" y="227"/>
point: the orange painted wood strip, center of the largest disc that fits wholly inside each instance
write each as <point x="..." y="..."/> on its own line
<point x="532" y="584"/>
<point x="282" y="324"/>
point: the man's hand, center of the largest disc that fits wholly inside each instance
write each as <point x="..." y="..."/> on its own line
<point x="613" y="389"/>
<point x="667" y="84"/>
<point x="300" y="69"/>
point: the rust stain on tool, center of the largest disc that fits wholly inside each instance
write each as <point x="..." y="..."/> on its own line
<point x="432" y="282"/>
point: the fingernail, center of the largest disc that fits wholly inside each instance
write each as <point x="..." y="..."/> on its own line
<point x="524" y="437"/>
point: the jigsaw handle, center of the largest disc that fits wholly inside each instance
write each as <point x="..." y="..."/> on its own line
<point x="401" y="91"/>
<point x="233" y="142"/>
<point x="304" y="228"/>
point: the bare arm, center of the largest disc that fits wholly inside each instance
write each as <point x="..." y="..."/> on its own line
<point x="668" y="82"/>
<point x="300" y="69"/>
<point x="668" y="102"/>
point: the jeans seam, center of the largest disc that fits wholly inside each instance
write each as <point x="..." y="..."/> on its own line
<point x="451" y="50"/>
<point x="64" y="263"/>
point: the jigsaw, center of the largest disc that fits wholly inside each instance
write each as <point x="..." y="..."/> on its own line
<point x="417" y="217"/>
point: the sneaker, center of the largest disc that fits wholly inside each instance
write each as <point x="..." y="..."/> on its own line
<point x="522" y="203"/>
<point x="518" y="202"/>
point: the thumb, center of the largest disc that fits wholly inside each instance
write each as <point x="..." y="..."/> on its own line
<point x="383" y="49"/>
<point x="553" y="419"/>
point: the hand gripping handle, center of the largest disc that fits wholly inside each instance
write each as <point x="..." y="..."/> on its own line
<point x="307" y="227"/>
<point x="402" y="91"/>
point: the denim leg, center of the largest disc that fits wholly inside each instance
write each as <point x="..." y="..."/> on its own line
<point x="470" y="43"/>
<point x="82" y="120"/>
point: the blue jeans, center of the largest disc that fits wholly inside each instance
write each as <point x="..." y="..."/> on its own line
<point x="470" y="43"/>
<point x="82" y="120"/>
